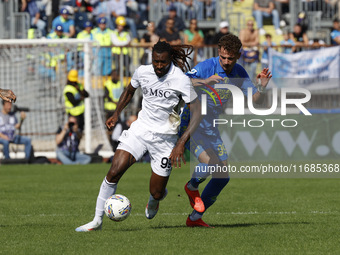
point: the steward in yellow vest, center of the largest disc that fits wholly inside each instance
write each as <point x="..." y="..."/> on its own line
<point x="102" y="36"/>
<point x="74" y="95"/>
<point x="112" y="91"/>
<point x="120" y="37"/>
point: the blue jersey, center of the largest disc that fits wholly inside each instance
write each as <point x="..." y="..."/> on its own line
<point x="206" y="136"/>
<point x="217" y="98"/>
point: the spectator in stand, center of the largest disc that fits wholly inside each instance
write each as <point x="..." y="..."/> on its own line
<point x="149" y="39"/>
<point x="316" y="44"/>
<point x="299" y="36"/>
<point x="68" y="139"/>
<point x="67" y="23"/>
<point x="143" y="12"/>
<point x="250" y="39"/>
<point x="199" y="5"/>
<point x="119" y="8"/>
<point x="335" y="34"/>
<point x="210" y="7"/>
<point x="287" y="42"/>
<point x="47" y="8"/>
<point x="8" y="124"/>
<point x="190" y="10"/>
<point x="169" y="34"/>
<point x="102" y="35"/>
<point x="83" y="5"/>
<point x="102" y="10"/>
<point x="224" y="30"/>
<point x="31" y="7"/>
<point x="282" y="7"/>
<point x="266" y="9"/>
<point x="334" y="6"/>
<point x="195" y="37"/>
<point x="179" y="23"/>
<point x="266" y="45"/>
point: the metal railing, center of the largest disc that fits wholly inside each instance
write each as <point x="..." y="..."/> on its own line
<point x="13" y="24"/>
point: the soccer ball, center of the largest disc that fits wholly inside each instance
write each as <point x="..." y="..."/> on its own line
<point x="117" y="207"/>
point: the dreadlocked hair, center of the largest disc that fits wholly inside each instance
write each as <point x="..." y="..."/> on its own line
<point x="230" y="43"/>
<point x="179" y="53"/>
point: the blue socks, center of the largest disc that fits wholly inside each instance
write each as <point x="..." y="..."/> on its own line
<point x="199" y="175"/>
<point x="212" y="190"/>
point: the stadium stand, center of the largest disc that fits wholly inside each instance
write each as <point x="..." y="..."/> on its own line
<point x="38" y="67"/>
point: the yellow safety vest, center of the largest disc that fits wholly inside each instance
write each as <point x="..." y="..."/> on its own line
<point x="102" y="37"/>
<point x="70" y="108"/>
<point x="83" y="35"/>
<point x="123" y="36"/>
<point x="115" y="91"/>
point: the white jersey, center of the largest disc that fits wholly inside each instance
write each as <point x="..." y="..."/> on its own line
<point x="160" y="96"/>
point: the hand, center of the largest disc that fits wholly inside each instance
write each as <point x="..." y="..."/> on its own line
<point x="177" y="155"/>
<point x="7" y="95"/>
<point x="264" y="77"/>
<point x="22" y="115"/>
<point x="4" y="137"/>
<point x="212" y="80"/>
<point x="66" y="126"/>
<point x="111" y="122"/>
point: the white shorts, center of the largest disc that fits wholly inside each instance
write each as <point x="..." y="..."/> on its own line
<point x="137" y="140"/>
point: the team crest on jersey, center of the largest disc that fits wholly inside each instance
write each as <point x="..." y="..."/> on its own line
<point x="192" y="71"/>
<point x="145" y="91"/>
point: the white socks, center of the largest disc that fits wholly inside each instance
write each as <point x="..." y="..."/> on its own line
<point x="107" y="189"/>
<point x="152" y="204"/>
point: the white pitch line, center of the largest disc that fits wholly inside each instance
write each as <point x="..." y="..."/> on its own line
<point x="187" y="213"/>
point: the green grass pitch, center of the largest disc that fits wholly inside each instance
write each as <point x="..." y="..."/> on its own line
<point x="41" y="205"/>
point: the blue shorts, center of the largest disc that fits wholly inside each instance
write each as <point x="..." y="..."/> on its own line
<point x="202" y="139"/>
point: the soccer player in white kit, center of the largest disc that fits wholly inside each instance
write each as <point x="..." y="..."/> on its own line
<point x="163" y="85"/>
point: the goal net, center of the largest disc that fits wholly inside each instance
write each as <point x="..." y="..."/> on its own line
<point x="36" y="70"/>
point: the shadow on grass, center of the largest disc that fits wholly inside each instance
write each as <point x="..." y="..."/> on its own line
<point x="161" y="226"/>
<point x="238" y="225"/>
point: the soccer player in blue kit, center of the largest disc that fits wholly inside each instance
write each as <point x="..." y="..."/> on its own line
<point x="206" y="143"/>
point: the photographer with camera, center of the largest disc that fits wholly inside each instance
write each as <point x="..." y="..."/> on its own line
<point x="8" y="125"/>
<point x="68" y="138"/>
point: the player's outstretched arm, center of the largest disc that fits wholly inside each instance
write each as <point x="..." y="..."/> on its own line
<point x="7" y="95"/>
<point x="124" y="100"/>
<point x="177" y="153"/>
<point x="208" y="81"/>
<point x="263" y="78"/>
